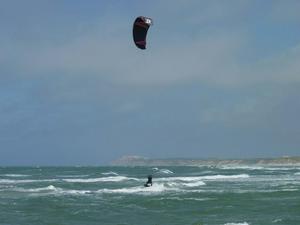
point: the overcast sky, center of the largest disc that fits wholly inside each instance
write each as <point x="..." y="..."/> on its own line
<point x="218" y="79"/>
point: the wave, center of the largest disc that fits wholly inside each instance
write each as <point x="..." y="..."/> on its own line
<point x="100" y="179"/>
<point x="196" y="181"/>
<point x="67" y="176"/>
<point x="155" y="188"/>
<point x="162" y="171"/>
<point x="110" y="173"/>
<point x="261" y="191"/>
<point x="48" y="188"/>
<point x="249" y="167"/>
<point x="184" y="199"/>
<point x="298" y="173"/>
<point x="8" y="181"/>
<point x="200" y="178"/>
<point x="52" y="190"/>
<point x="245" y="223"/>
<point x="222" y="177"/>
<point x="165" y="171"/>
<point x="194" y="184"/>
<point x="281" y="168"/>
<point x="190" y="184"/>
<point x="240" y="167"/>
<point x="16" y="175"/>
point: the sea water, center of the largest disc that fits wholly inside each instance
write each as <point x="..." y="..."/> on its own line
<point x="225" y="195"/>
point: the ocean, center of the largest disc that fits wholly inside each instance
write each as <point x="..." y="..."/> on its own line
<point x="224" y="195"/>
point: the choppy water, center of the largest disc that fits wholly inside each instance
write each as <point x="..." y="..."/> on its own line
<point x="180" y="195"/>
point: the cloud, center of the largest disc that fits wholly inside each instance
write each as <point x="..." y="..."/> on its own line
<point x="285" y="11"/>
<point x="106" y="50"/>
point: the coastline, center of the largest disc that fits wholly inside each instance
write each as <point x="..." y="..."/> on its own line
<point x="143" y="161"/>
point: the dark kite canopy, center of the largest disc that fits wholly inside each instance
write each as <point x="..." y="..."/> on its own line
<point x="140" y="29"/>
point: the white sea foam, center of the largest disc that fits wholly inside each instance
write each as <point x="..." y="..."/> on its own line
<point x="261" y="191"/>
<point x="68" y="176"/>
<point x="155" y="188"/>
<point x="245" y="223"/>
<point x="74" y="192"/>
<point x="194" y="184"/>
<point x="110" y="173"/>
<point x="162" y="171"/>
<point x="240" y="167"/>
<point x="48" y="188"/>
<point x="298" y="173"/>
<point x="185" y="199"/>
<point x="201" y="178"/>
<point x="100" y="179"/>
<point x="8" y="181"/>
<point x="281" y="168"/>
<point x="166" y="171"/>
<point x="185" y="184"/>
<point x="277" y="220"/>
<point x="223" y="177"/>
<point x="16" y="175"/>
<point x="255" y="167"/>
<point x="51" y="189"/>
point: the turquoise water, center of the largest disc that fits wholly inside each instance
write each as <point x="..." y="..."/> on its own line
<point x="180" y="195"/>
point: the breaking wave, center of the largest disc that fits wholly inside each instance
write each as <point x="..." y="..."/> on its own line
<point x="245" y="223"/>
<point x="48" y="188"/>
<point x="51" y="189"/>
<point x="8" y="181"/>
<point x="240" y="167"/>
<point x="16" y="175"/>
<point x="69" y="176"/>
<point x="156" y="188"/>
<point x="249" y="167"/>
<point x="194" y="184"/>
<point x="162" y="171"/>
<point x="100" y="179"/>
<point x="201" y="178"/>
<point x="110" y="173"/>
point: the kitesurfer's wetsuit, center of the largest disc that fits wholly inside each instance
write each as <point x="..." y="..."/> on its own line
<point x="149" y="182"/>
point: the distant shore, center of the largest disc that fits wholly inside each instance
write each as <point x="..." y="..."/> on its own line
<point x="142" y="161"/>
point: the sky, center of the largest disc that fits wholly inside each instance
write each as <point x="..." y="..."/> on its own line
<point x="219" y="79"/>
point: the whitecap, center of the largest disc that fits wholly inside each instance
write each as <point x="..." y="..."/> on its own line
<point x="194" y="184"/>
<point x="52" y="190"/>
<point x="101" y="179"/>
<point x="281" y="168"/>
<point x="8" y="181"/>
<point x="240" y="167"/>
<point x="67" y="176"/>
<point x="16" y="175"/>
<point x="156" y="188"/>
<point x="185" y="184"/>
<point x="110" y="173"/>
<point x="185" y="199"/>
<point x="48" y="188"/>
<point x="222" y="177"/>
<point x="277" y="220"/>
<point x="245" y="223"/>
<point x="162" y="171"/>
<point x="200" y="178"/>
<point x="166" y="171"/>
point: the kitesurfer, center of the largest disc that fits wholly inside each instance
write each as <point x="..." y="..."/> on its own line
<point x="149" y="181"/>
